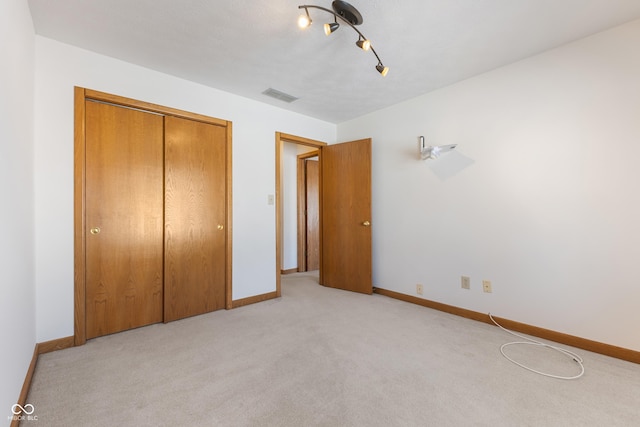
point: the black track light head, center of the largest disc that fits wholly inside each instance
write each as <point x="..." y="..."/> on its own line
<point x="330" y="28"/>
<point x="363" y="44"/>
<point x="382" y="69"/>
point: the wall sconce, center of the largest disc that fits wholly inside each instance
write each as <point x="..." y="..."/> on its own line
<point x="433" y="152"/>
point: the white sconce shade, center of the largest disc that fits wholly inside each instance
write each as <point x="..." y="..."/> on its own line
<point x="433" y="152"/>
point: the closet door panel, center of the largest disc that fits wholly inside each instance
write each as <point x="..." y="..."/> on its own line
<point x="124" y="218"/>
<point x="195" y="212"/>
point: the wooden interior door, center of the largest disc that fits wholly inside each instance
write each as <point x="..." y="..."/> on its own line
<point x="195" y="218"/>
<point x="124" y="205"/>
<point x="346" y="216"/>
<point x="312" y="214"/>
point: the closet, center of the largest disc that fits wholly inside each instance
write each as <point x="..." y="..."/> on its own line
<point x="152" y="216"/>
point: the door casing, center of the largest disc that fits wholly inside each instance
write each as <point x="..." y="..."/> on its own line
<point x="281" y="138"/>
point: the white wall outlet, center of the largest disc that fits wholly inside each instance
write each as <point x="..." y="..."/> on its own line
<point x="419" y="289"/>
<point x="270" y="199"/>
<point x="465" y="282"/>
<point x="486" y="286"/>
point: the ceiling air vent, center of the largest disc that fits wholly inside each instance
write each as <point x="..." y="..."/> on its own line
<point x="279" y="95"/>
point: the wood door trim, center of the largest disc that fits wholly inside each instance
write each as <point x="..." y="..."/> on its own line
<point x="286" y="137"/>
<point x="229" y="220"/>
<point x="149" y="107"/>
<point x="79" y="183"/>
<point x="254" y="299"/>
<point x="79" y="228"/>
<point x="301" y="178"/>
<point x="281" y="138"/>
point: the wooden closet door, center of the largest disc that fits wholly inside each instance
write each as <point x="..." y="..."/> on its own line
<point x="195" y="212"/>
<point x="124" y="218"/>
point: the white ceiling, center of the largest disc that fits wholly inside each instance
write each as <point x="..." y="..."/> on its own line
<point x="247" y="46"/>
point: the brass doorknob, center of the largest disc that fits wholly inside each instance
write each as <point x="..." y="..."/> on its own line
<point x="366" y="223"/>
<point x="95" y="230"/>
<point x="220" y="227"/>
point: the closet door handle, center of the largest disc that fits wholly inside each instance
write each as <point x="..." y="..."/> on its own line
<point x="220" y="227"/>
<point x="95" y="230"/>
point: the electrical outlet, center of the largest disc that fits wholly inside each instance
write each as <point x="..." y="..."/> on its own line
<point x="465" y="282"/>
<point x="486" y="286"/>
<point x="419" y="289"/>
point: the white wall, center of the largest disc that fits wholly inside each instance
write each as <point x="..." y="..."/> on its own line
<point x="59" y="67"/>
<point x="541" y="196"/>
<point x="17" y="283"/>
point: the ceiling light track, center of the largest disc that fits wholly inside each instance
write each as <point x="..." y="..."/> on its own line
<point x="350" y="16"/>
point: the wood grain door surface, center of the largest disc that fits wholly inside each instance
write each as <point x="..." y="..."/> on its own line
<point x="124" y="218"/>
<point x="346" y="216"/>
<point x="312" y="184"/>
<point x="195" y="203"/>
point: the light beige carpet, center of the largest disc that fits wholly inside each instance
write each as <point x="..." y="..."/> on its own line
<point x="324" y="357"/>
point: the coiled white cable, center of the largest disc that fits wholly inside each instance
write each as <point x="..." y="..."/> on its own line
<point x="530" y="341"/>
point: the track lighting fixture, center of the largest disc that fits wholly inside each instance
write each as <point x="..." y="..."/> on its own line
<point x="349" y="15"/>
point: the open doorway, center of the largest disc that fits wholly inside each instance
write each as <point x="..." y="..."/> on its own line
<point x="300" y="208"/>
<point x="308" y="211"/>
<point x="290" y="249"/>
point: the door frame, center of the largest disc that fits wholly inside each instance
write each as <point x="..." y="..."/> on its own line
<point x="81" y="95"/>
<point x="281" y="138"/>
<point x="302" y="205"/>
